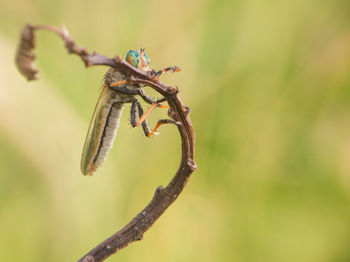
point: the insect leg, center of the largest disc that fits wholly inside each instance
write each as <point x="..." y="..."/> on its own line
<point x="144" y="122"/>
<point x="118" y="83"/>
<point x="135" y="105"/>
<point x="171" y="69"/>
<point x="120" y="86"/>
<point x="150" y="100"/>
<point x="133" y="112"/>
<point x="148" y="112"/>
<point x="143" y="116"/>
<point x="162" y="122"/>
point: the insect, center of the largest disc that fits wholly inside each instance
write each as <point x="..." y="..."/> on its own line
<point x="115" y="93"/>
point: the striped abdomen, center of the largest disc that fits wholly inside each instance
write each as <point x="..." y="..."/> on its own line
<point x="102" y="130"/>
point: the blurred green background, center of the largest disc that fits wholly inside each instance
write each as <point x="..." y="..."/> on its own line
<point x="268" y="85"/>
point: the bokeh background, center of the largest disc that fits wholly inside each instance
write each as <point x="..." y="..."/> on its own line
<point x="268" y="85"/>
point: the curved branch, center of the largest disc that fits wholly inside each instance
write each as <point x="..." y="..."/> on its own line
<point x="163" y="197"/>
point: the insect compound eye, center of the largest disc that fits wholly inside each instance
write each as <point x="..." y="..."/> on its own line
<point x="132" y="57"/>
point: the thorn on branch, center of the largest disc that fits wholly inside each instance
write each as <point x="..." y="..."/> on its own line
<point x="139" y="238"/>
<point x="159" y="191"/>
<point x="187" y="110"/>
<point x="118" y="58"/>
<point x="158" y="194"/>
<point x="173" y="90"/>
<point x="192" y="165"/>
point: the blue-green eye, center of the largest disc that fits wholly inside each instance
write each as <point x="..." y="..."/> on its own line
<point x="132" y="57"/>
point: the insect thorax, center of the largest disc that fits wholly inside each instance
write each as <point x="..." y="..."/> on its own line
<point x="112" y="76"/>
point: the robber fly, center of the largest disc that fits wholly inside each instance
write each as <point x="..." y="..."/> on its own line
<point x="115" y="93"/>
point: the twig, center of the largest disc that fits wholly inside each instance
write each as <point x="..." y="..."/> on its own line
<point x="163" y="197"/>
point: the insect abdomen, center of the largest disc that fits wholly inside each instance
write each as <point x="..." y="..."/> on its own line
<point x="109" y="133"/>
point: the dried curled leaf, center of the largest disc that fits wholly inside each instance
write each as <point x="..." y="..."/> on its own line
<point x="25" y="55"/>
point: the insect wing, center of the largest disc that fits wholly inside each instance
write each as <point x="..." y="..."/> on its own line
<point x="91" y="157"/>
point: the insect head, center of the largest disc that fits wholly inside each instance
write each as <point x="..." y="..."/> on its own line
<point x="138" y="59"/>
